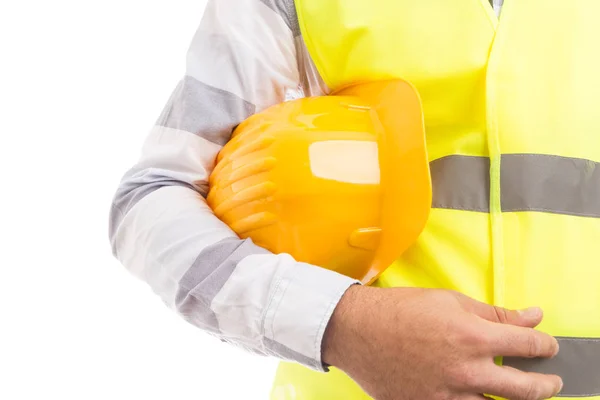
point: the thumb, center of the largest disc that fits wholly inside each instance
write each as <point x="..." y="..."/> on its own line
<point x="527" y="318"/>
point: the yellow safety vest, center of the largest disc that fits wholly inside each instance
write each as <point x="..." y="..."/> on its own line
<point x="512" y="114"/>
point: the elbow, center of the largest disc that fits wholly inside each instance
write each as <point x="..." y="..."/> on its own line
<point x="115" y="216"/>
<point x="136" y="185"/>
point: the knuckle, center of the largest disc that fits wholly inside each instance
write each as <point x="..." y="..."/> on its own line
<point x="453" y="293"/>
<point x="441" y="296"/>
<point x="531" y="392"/>
<point x="473" y="339"/>
<point x="463" y="376"/>
<point x="445" y="396"/>
<point x="534" y="346"/>
<point x="501" y="314"/>
<point x="481" y="342"/>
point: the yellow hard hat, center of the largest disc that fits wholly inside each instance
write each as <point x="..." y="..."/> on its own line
<point x="339" y="181"/>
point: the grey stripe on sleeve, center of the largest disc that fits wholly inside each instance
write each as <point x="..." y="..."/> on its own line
<point x="206" y="111"/>
<point x="280" y="351"/>
<point x="135" y="185"/>
<point x="206" y="277"/>
<point x="287" y="10"/>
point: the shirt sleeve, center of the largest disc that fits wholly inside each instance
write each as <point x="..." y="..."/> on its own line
<point x="245" y="56"/>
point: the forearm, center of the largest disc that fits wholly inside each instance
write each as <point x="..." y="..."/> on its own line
<point x="268" y="304"/>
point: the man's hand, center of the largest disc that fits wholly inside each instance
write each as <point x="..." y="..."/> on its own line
<point x="416" y="344"/>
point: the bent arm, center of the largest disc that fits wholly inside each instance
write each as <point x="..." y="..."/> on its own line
<point x="246" y="56"/>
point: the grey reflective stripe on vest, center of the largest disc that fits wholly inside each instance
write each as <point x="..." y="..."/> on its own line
<point x="577" y="363"/>
<point x="461" y="183"/>
<point x="529" y="182"/>
<point x="532" y="182"/>
<point x="550" y="184"/>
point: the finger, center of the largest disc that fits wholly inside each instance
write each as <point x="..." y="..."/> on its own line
<point x="530" y="317"/>
<point x="513" y="384"/>
<point x="515" y="341"/>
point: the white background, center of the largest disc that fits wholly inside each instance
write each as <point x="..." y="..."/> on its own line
<point x="81" y="84"/>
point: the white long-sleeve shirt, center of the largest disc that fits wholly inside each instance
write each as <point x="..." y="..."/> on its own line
<point x="246" y="56"/>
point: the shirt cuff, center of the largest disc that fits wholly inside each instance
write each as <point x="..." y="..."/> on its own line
<point x="300" y="309"/>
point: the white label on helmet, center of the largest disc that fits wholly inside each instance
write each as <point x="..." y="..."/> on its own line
<point x="350" y="161"/>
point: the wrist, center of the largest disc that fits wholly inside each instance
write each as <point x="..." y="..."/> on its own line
<point x="339" y="335"/>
